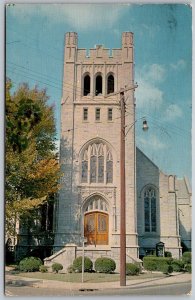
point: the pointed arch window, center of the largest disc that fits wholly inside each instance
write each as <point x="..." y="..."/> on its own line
<point x="98" y="85"/>
<point x="97" y="164"/>
<point x="150" y="210"/>
<point x="110" y="84"/>
<point x="84" y="167"/>
<point x="86" y="86"/>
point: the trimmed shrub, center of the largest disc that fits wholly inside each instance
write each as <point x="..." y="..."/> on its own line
<point x="154" y="263"/>
<point x="56" y="267"/>
<point x="132" y="269"/>
<point x="168" y="254"/>
<point x="105" y="265"/>
<point x="177" y="265"/>
<point x="70" y="269"/>
<point x="187" y="257"/>
<point x="43" y="269"/>
<point x="30" y="264"/>
<point x="167" y="269"/>
<point x="188" y="268"/>
<point x="77" y="264"/>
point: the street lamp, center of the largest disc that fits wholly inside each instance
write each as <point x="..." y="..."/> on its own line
<point x="145" y="126"/>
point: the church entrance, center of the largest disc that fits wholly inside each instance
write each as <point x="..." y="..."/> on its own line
<point x="96" y="228"/>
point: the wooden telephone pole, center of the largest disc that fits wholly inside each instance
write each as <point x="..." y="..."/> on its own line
<point x="123" y="186"/>
<point x="123" y="198"/>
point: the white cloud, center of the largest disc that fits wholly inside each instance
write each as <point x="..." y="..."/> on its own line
<point x="179" y="65"/>
<point x="154" y="72"/>
<point x="148" y="93"/>
<point x="150" y="31"/>
<point x="78" y="16"/>
<point x="172" y="112"/>
<point x="153" y="142"/>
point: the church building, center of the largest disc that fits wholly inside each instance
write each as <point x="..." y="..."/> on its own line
<point x="158" y="206"/>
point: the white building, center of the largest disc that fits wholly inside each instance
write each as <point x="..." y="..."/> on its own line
<point x="158" y="206"/>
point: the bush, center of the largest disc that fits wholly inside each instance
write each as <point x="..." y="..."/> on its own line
<point x="105" y="265"/>
<point x="56" y="267"/>
<point x="30" y="264"/>
<point x="70" y="269"/>
<point x="132" y="269"/>
<point x="187" y="257"/>
<point x="154" y="263"/>
<point x="167" y="269"/>
<point x="43" y="269"/>
<point x="188" y="268"/>
<point x="177" y="265"/>
<point x="168" y="254"/>
<point x="77" y="264"/>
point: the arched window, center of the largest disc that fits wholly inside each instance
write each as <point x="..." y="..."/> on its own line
<point x="85" y="167"/>
<point x="110" y="84"/>
<point x="109" y="168"/>
<point x="98" y="85"/>
<point x="96" y="202"/>
<point x="97" y="164"/>
<point x="150" y="209"/>
<point x="86" y="86"/>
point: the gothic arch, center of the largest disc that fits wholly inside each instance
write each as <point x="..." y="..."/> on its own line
<point x="96" y="160"/>
<point x="98" y="84"/>
<point x="95" y="196"/>
<point x="96" y="220"/>
<point x="110" y="83"/>
<point x="86" y="84"/>
<point x="150" y="208"/>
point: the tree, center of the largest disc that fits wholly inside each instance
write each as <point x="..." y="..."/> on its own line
<point x="32" y="168"/>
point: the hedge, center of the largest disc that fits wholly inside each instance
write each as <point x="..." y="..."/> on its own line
<point x="30" y="264"/>
<point x="77" y="264"/>
<point x="105" y="265"/>
<point x="187" y="257"/>
<point x="154" y="263"/>
<point x="132" y="269"/>
<point x="168" y="254"/>
<point x="177" y="265"/>
<point x="188" y="268"/>
<point x="43" y="269"/>
<point x="167" y="269"/>
<point x="56" y="267"/>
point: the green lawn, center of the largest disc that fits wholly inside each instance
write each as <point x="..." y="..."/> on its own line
<point x="88" y="277"/>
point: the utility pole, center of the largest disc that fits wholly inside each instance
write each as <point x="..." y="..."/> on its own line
<point x="123" y="186"/>
<point x="123" y="198"/>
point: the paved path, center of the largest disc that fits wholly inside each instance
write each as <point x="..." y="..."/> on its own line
<point x="140" y="282"/>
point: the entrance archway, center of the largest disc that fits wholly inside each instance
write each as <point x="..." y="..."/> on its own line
<point x="96" y="221"/>
<point x="96" y="228"/>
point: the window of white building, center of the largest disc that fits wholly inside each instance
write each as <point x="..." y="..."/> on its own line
<point x="97" y="164"/>
<point x="150" y="210"/>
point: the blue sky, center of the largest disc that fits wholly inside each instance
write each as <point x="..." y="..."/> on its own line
<point x="163" y="51"/>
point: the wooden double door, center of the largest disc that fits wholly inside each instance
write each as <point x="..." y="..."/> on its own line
<point x="96" y="228"/>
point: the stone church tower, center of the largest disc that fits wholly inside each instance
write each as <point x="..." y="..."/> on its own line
<point x="89" y="200"/>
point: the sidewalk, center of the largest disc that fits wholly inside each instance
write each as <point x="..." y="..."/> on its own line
<point x="38" y="283"/>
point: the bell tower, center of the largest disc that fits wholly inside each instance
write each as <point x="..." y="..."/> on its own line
<point x="89" y="198"/>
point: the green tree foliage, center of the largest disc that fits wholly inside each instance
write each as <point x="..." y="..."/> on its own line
<point x="32" y="169"/>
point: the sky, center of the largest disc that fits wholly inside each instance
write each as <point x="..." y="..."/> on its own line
<point x="163" y="64"/>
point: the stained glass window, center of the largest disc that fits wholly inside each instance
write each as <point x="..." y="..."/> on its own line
<point x="93" y="167"/>
<point x="97" y="161"/>
<point x="101" y="169"/>
<point x="150" y="210"/>
<point x="84" y="170"/>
